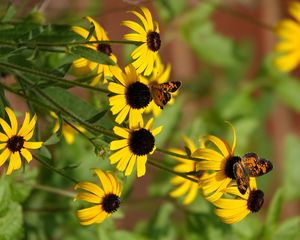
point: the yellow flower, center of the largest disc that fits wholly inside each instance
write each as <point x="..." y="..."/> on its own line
<point x="106" y="198"/>
<point x="67" y="131"/>
<point x="160" y="74"/>
<point x="219" y="164"/>
<point x="144" y="55"/>
<point x="15" y="143"/>
<point x="85" y="66"/>
<point x="232" y="210"/>
<point x="132" y="97"/>
<point x="133" y="149"/>
<point x="288" y="31"/>
<point x="185" y="186"/>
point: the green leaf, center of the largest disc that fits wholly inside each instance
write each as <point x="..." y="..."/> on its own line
<point x="169" y="9"/>
<point x="289" y="229"/>
<point x="8" y="13"/>
<point x="92" y="55"/>
<point x="4" y="194"/>
<point x="291" y="167"/>
<point x="11" y="223"/>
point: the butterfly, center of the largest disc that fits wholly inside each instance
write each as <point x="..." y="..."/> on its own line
<point x="161" y="93"/>
<point x="250" y="165"/>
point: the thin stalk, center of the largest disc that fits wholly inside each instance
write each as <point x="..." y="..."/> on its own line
<point x="52" y="78"/>
<point x="54" y="190"/>
<point x="49" y="166"/>
<point x="183" y="175"/>
<point x="178" y="155"/>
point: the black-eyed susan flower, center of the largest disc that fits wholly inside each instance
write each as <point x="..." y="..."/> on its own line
<point x="219" y="164"/>
<point x="131" y="97"/>
<point x="85" y="66"/>
<point x="160" y="74"/>
<point x="67" y="131"/>
<point x="186" y="188"/>
<point x="134" y="147"/>
<point x="236" y="208"/>
<point x="14" y="143"/>
<point x="288" y="47"/>
<point x="145" y="54"/>
<point x="106" y="198"/>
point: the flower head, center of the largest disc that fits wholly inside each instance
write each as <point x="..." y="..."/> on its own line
<point x="132" y="97"/>
<point x="219" y="163"/>
<point x="144" y="55"/>
<point x="16" y="143"/>
<point x="185" y="186"/>
<point x="288" y="47"/>
<point x="106" y="198"/>
<point x="232" y="210"/>
<point x="67" y="131"/>
<point x="134" y="148"/>
<point x="85" y="66"/>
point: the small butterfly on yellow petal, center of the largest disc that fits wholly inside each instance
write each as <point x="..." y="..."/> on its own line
<point x="161" y="93"/>
<point x="250" y="165"/>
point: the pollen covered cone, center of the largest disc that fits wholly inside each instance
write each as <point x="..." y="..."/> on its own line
<point x="288" y="46"/>
<point x="15" y="143"/>
<point x="185" y="187"/>
<point x="134" y="147"/>
<point x="218" y="163"/>
<point x="67" y="131"/>
<point x="105" y="198"/>
<point x="84" y="66"/>
<point x="131" y="97"/>
<point x="146" y="53"/>
<point x="236" y="206"/>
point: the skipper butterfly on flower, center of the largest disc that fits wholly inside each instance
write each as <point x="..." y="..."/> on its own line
<point x="250" y="165"/>
<point x="161" y="93"/>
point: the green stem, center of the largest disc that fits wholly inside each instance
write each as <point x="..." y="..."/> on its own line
<point x="183" y="175"/>
<point x="54" y="190"/>
<point x="178" y="155"/>
<point x="54" y="169"/>
<point x="52" y="78"/>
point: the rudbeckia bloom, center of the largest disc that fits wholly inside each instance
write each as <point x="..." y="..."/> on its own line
<point x="134" y="148"/>
<point x="186" y="188"/>
<point x="232" y="210"/>
<point x="16" y="143"/>
<point x="219" y="164"/>
<point x="106" y="199"/>
<point x="85" y="66"/>
<point x="288" y="47"/>
<point x="67" y="131"/>
<point x="145" y="54"/>
<point x="132" y="97"/>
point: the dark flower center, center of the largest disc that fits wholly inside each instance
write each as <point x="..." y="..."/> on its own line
<point x="111" y="203"/>
<point x="255" y="200"/>
<point x="138" y="95"/>
<point x="229" y="166"/>
<point x="153" y="41"/>
<point x="141" y="142"/>
<point x="15" y="143"/>
<point x="104" y="48"/>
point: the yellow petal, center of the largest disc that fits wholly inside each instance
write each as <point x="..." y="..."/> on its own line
<point x="190" y="197"/>
<point x="208" y="154"/>
<point x="6" y="128"/>
<point x="117" y="144"/>
<point x="14" y="163"/>
<point x="117" y="156"/>
<point x="88" y="197"/>
<point x="32" y="145"/>
<point x="90" y="187"/>
<point x="130" y="165"/>
<point x="221" y="145"/>
<point x="13" y="120"/>
<point x="27" y="127"/>
<point x="116" y="88"/>
<point x="3" y="137"/>
<point x="122" y="115"/>
<point x="141" y="165"/>
<point x="100" y="33"/>
<point x="3" y="156"/>
<point x="122" y="132"/>
<point x="105" y="181"/>
<point x="148" y="17"/>
<point x="135" y="118"/>
<point x="294" y="10"/>
<point x="144" y="21"/>
<point x="181" y="190"/>
<point x="26" y="154"/>
<point x="135" y="27"/>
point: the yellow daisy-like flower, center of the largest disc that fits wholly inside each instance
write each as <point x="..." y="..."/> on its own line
<point x="16" y="143"/>
<point x="67" y="131"/>
<point x="106" y="198"/>
<point x="138" y="142"/>
<point x="144" y="55"/>
<point x="160" y="74"/>
<point x="132" y="97"/>
<point x="219" y="163"/>
<point x="185" y="186"/>
<point x="288" y="31"/>
<point x="85" y="66"/>
<point x="232" y="210"/>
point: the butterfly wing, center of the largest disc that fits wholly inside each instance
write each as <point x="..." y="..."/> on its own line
<point x="262" y="167"/>
<point x="241" y="176"/>
<point x="170" y="86"/>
